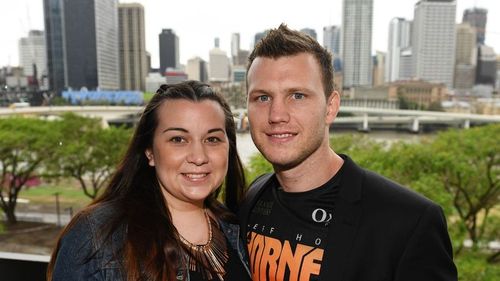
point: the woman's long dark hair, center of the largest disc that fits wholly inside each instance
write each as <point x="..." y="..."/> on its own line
<point x="152" y="249"/>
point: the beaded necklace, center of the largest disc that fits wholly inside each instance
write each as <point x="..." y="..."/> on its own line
<point x="212" y="255"/>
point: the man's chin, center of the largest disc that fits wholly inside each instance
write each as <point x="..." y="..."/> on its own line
<point x="282" y="163"/>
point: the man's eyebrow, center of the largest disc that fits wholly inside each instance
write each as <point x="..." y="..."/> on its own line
<point x="297" y="89"/>
<point x="258" y="91"/>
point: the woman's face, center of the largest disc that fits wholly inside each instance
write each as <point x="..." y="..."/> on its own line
<point x="190" y="150"/>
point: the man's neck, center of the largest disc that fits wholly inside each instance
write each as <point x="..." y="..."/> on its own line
<point x="313" y="172"/>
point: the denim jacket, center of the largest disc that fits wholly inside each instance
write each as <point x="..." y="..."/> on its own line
<point x="81" y="255"/>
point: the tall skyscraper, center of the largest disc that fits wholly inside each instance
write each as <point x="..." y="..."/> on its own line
<point x="54" y="40"/>
<point x="242" y="58"/>
<point x="169" y="50"/>
<point x="309" y="31"/>
<point x="357" y="20"/>
<point x="406" y="64"/>
<point x="486" y="71"/>
<point x="218" y="65"/>
<point x="133" y="62"/>
<point x="379" y="65"/>
<point x="258" y="36"/>
<point x="196" y="69"/>
<point x="465" y="56"/>
<point x="331" y="39"/>
<point x="399" y="39"/>
<point x="466" y="44"/>
<point x="477" y="17"/>
<point x="433" y="41"/>
<point x="91" y="44"/>
<point x="32" y="54"/>
<point x="235" y="46"/>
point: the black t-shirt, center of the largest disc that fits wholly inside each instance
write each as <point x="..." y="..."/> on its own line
<point x="234" y="268"/>
<point x="287" y="231"/>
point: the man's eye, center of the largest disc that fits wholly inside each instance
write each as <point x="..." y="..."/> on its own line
<point x="298" y="96"/>
<point x="263" y="98"/>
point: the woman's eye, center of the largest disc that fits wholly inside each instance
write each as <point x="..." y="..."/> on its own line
<point x="298" y="96"/>
<point x="177" y="139"/>
<point x="213" y="140"/>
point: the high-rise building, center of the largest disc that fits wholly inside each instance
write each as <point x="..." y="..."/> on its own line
<point x="133" y="62"/>
<point x="309" y="31"/>
<point x="378" y="68"/>
<point x="148" y="62"/>
<point x="235" y="46"/>
<point x="477" y="17"/>
<point x="242" y="58"/>
<point x="465" y="57"/>
<point x="498" y="73"/>
<point x="169" y="50"/>
<point x="54" y="40"/>
<point x="218" y="65"/>
<point x="399" y="39"/>
<point x="486" y="71"/>
<point x="91" y="44"/>
<point x="258" y="36"/>
<point x="357" y="20"/>
<point x="465" y="44"/>
<point x="196" y="69"/>
<point x="331" y="39"/>
<point x="406" y="64"/>
<point x="433" y="41"/>
<point x="32" y="54"/>
<point x="238" y="74"/>
<point x="465" y="76"/>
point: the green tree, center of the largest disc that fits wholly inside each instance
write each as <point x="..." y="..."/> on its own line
<point x="25" y="145"/>
<point x="89" y="153"/>
<point x="258" y="165"/>
<point x="468" y="165"/>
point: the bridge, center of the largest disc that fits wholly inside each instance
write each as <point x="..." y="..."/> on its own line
<point x="362" y="118"/>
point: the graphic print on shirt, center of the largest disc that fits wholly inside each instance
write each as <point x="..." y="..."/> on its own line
<point x="286" y="236"/>
<point x="273" y="259"/>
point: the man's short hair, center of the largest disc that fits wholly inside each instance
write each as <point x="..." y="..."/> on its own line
<point x="283" y="42"/>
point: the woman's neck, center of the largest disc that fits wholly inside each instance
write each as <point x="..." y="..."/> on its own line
<point x="191" y="223"/>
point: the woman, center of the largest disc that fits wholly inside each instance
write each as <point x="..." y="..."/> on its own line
<point x="159" y="218"/>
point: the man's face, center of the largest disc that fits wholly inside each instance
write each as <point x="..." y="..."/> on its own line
<point x="287" y="109"/>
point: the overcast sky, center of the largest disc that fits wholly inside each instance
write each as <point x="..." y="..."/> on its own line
<point x="198" y="22"/>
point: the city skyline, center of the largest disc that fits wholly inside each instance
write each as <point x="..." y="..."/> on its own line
<point x="198" y="27"/>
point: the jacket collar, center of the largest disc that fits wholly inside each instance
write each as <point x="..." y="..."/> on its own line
<point x="347" y="214"/>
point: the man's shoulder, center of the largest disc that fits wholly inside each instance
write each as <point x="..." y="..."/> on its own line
<point x="377" y="184"/>
<point x="257" y="186"/>
<point x="378" y="188"/>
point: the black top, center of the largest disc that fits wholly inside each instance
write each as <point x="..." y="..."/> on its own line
<point x="287" y="230"/>
<point x="234" y="269"/>
<point x="380" y="231"/>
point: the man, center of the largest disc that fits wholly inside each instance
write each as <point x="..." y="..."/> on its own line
<point x="320" y="216"/>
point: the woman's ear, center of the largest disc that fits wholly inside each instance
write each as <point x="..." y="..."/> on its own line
<point x="149" y="155"/>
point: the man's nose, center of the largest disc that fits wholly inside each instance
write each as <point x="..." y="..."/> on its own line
<point x="278" y="112"/>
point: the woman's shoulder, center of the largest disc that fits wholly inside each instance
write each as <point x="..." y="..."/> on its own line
<point x="91" y="224"/>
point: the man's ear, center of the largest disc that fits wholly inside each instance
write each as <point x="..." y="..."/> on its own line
<point x="332" y="106"/>
<point x="149" y="155"/>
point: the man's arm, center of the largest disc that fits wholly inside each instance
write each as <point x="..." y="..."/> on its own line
<point x="429" y="254"/>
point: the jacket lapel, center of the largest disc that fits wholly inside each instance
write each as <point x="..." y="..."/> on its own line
<point x="342" y="232"/>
